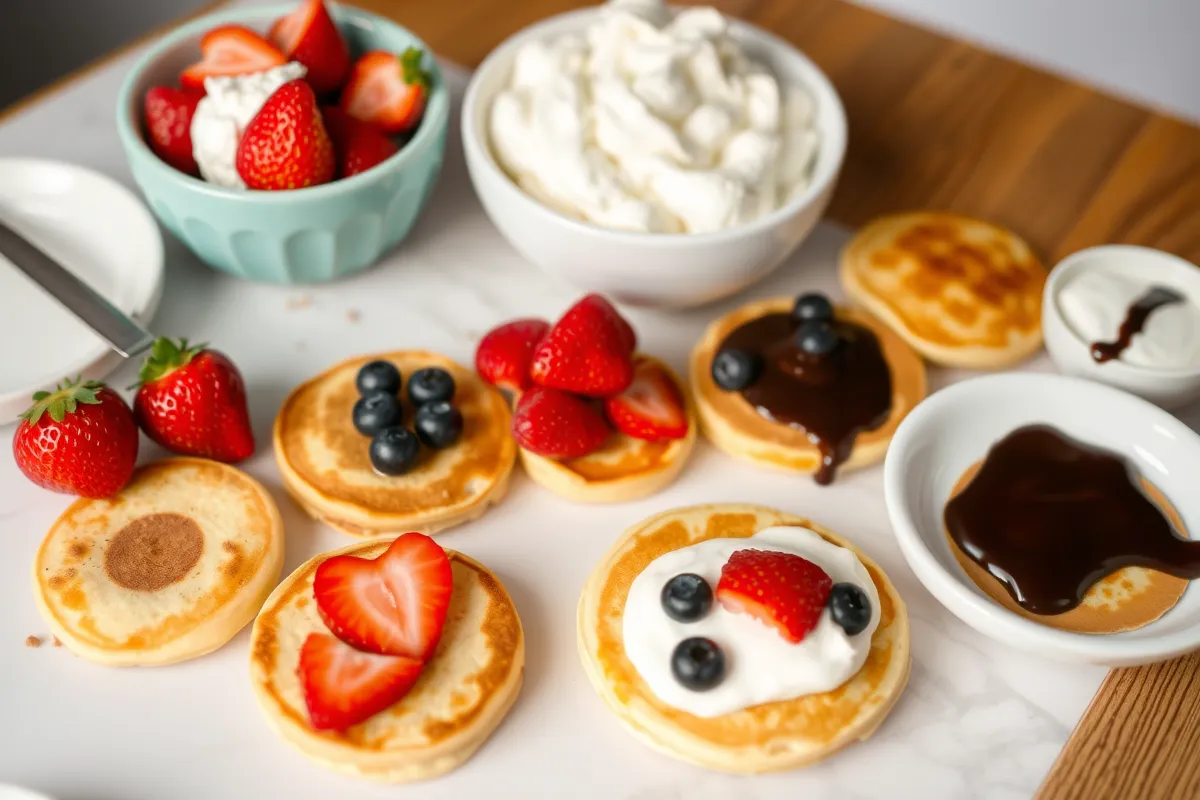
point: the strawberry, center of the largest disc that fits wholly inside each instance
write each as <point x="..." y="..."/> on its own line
<point x="392" y="605"/>
<point x="309" y="35"/>
<point x="651" y="408"/>
<point x="357" y="145"/>
<point x="387" y="90"/>
<point x="286" y="146"/>
<point x="343" y="686"/>
<point x="505" y="353"/>
<point x="231" y="50"/>
<point x="192" y="401"/>
<point x="168" y="114"/>
<point x="79" y="439"/>
<point x="587" y="352"/>
<point x="558" y="425"/>
<point x="782" y="590"/>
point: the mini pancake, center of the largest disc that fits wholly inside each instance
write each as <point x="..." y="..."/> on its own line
<point x="1127" y="599"/>
<point x="461" y="696"/>
<point x="735" y="426"/>
<point x="325" y="464"/>
<point x="764" y="738"/>
<point x="962" y="292"/>
<point x="624" y="469"/>
<point x="169" y="568"/>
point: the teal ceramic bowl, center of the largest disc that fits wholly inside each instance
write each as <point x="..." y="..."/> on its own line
<point x="302" y="236"/>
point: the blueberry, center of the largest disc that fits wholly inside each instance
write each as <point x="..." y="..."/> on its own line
<point x="816" y="338"/>
<point x="394" y="450"/>
<point x="812" y="306"/>
<point x="375" y="411"/>
<point x="734" y="370"/>
<point x="850" y="608"/>
<point x="378" y="376"/>
<point x="429" y="385"/>
<point x="686" y="597"/>
<point x="698" y="663"/>
<point x="438" y="424"/>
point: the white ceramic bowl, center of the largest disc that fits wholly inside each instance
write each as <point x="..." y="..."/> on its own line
<point x="663" y="270"/>
<point x="1071" y="354"/>
<point x="954" y="428"/>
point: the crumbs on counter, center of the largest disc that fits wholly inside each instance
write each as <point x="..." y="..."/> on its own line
<point x="299" y="301"/>
<point x="33" y="641"/>
<point x="353" y="314"/>
<point x="57" y="643"/>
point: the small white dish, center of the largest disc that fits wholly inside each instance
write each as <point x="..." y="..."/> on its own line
<point x="954" y="428"/>
<point x="652" y="269"/>
<point x="1169" y="388"/>
<point x="97" y="229"/>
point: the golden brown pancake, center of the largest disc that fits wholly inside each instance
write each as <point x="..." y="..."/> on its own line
<point x="325" y="464"/>
<point x="962" y="292"/>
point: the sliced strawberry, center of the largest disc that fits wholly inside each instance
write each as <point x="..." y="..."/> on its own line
<point x="168" y="114"/>
<point x="357" y="145"/>
<point x="651" y="408"/>
<point x="387" y="90"/>
<point x="587" y="352"/>
<point x="505" y="353"/>
<point x="394" y="604"/>
<point x="558" y="425"/>
<point x="781" y="590"/>
<point x="231" y="50"/>
<point x="343" y="686"/>
<point x="309" y="35"/>
<point x="286" y="145"/>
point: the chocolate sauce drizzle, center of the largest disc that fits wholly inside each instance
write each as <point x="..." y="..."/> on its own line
<point x="831" y="397"/>
<point x="1135" y="319"/>
<point x="1049" y="516"/>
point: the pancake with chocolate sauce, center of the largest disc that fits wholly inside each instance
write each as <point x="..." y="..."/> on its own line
<point x="325" y="464"/>
<point x="169" y="568"/>
<point x="765" y="738"/>
<point x="463" y="693"/>
<point x="735" y="425"/>
<point x="962" y="292"/>
<point x="625" y="468"/>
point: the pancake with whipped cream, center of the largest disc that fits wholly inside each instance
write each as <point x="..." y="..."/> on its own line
<point x="962" y="292"/>
<point x="169" y="568"/>
<point x="705" y="665"/>
<point x="326" y="467"/>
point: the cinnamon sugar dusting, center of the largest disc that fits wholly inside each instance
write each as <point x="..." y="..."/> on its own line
<point x="153" y="552"/>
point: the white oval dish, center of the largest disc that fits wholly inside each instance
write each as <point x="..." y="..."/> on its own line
<point x="954" y="428"/>
<point x="97" y="229"/>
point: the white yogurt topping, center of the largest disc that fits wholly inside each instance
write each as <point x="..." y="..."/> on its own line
<point x="1096" y="301"/>
<point x="225" y="112"/>
<point x="760" y="665"/>
<point x="652" y="121"/>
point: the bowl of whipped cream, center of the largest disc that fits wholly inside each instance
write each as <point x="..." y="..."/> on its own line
<point x="666" y="157"/>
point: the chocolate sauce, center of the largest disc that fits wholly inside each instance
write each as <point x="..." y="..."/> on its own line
<point x="831" y="397"/>
<point x="1049" y="516"/>
<point x="1135" y="320"/>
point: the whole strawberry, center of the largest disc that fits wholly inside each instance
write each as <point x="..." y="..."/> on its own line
<point x="192" y="401"/>
<point x="79" y="439"/>
<point x="286" y="145"/>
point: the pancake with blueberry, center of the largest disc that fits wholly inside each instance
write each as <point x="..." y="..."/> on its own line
<point x="803" y="386"/>
<point x="743" y="639"/>
<point x="402" y="441"/>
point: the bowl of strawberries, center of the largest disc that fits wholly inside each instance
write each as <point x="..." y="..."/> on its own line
<point x="287" y="144"/>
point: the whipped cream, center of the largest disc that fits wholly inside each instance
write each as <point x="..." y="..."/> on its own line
<point x="760" y="665"/>
<point x="1096" y="301"/>
<point x="231" y="102"/>
<point x="653" y="121"/>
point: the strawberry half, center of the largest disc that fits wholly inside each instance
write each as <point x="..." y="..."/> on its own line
<point x="387" y="90"/>
<point x="231" y="50"/>
<point x="781" y="590"/>
<point x="357" y="145"/>
<point x="286" y="145"/>
<point x="309" y="35"/>
<point x="506" y="352"/>
<point x="558" y="425"/>
<point x="168" y="113"/>
<point x="651" y="408"/>
<point x="587" y="352"/>
<point x="394" y="604"/>
<point x="343" y="686"/>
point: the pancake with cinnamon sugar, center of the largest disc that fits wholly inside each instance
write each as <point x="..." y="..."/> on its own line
<point x="325" y="464"/>
<point x="962" y="292"/>
<point x="768" y="737"/>
<point x="169" y="568"/>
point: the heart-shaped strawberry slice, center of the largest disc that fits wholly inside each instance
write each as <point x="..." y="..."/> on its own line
<point x="587" y="352"/>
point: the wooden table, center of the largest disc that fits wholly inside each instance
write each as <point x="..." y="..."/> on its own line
<point x="937" y="123"/>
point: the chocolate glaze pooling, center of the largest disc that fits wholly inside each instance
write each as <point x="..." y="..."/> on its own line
<point x="831" y="397"/>
<point x="1049" y="516"/>
<point x="1135" y="320"/>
